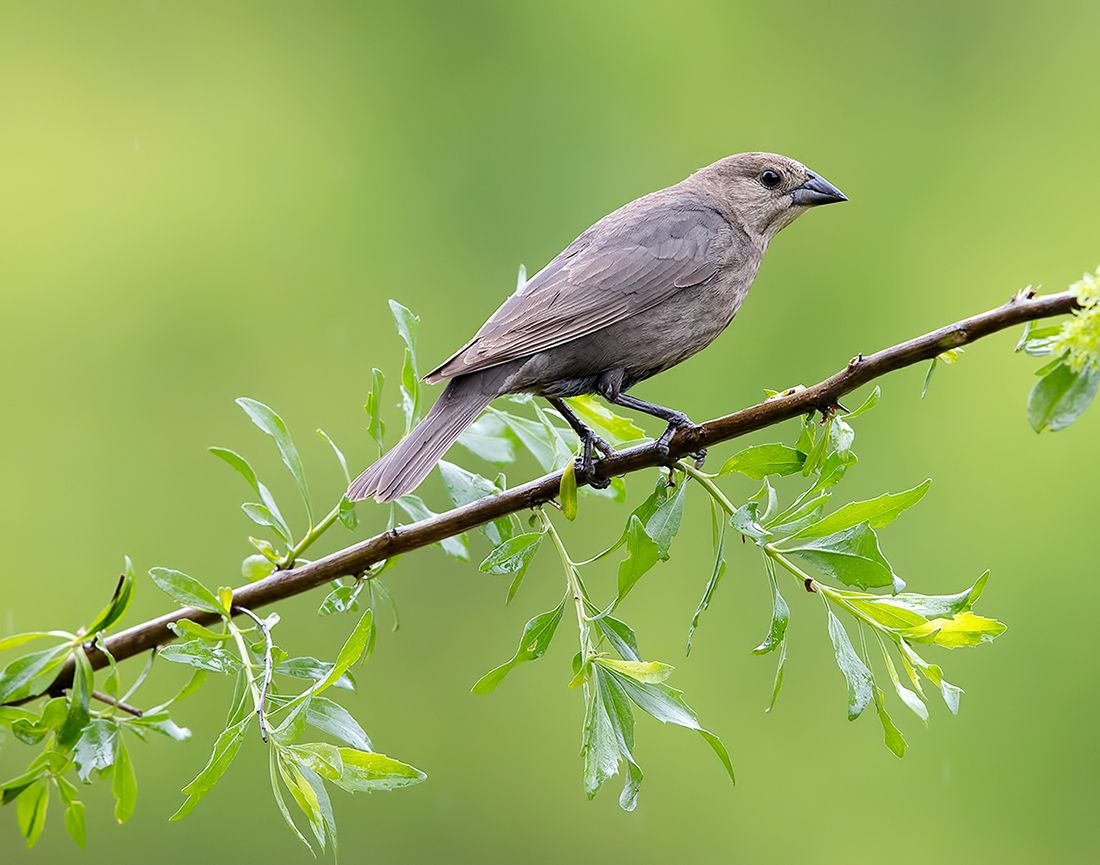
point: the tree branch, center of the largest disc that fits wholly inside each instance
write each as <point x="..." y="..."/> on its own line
<point x="356" y="559"/>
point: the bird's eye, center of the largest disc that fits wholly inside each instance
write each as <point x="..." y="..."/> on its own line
<point x="770" y="178"/>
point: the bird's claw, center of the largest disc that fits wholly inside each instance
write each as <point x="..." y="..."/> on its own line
<point x="586" y="472"/>
<point x="585" y="465"/>
<point x="661" y="445"/>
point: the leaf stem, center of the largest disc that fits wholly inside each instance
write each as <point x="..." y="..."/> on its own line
<point x="311" y="537"/>
<point x="710" y="486"/>
<point x="247" y="665"/>
<point x="118" y="704"/>
<point x="573" y="586"/>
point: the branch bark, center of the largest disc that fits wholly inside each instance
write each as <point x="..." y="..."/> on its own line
<point x="356" y="559"/>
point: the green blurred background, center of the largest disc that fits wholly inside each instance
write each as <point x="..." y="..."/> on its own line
<point x="204" y="200"/>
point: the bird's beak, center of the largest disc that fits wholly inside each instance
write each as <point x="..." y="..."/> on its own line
<point x="815" y="191"/>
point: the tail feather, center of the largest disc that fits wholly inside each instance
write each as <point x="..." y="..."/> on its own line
<point x="403" y="468"/>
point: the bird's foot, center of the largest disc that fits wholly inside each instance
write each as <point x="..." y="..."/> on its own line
<point x="585" y="465"/>
<point x="602" y="446"/>
<point x="675" y="424"/>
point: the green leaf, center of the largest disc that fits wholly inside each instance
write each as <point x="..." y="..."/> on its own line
<point x="608" y="736"/>
<point x="185" y="590"/>
<point x="244" y="469"/>
<point x="188" y="628"/>
<point x="928" y="377"/>
<point x="261" y="515"/>
<point x="876" y="512"/>
<point x="79" y="695"/>
<point x="663" y="523"/>
<point x="488" y="438"/>
<point x="802" y="513"/>
<point x="342" y="599"/>
<point x="567" y="491"/>
<point x="841" y="435"/>
<point x="350" y="653"/>
<point x="159" y="722"/>
<point x="646" y="672"/>
<point x="31" y="807"/>
<point x="868" y="404"/>
<point x="320" y="758"/>
<point x="1061" y="396"/>
<point x="951" y="693"/>
<point x="542" y="440"/>
<point x="962" y="629"/>
<point x="875" y="608"/>
<point x="718" y="531"/>
<point x="767" y="501"/>
<point x="367" y="771"/>
<point x="332" y="718"/>
<point x="275" y="769"/>
<point x="816" y="457"/>
<point x="856" y="675"/>
<point x="667" y="705"/>
<point x="909" y="698"/>
<point x="311" y="668"/>
<point x="456" y="546"/>
<point x="119" y="603"/>
<point x="777" y="685"/>
<point x="123" y="783"/>
<point x="225" y="749"/>
<point x="464" y="486"/>
<point x="16" y="640"/>
<point x="603" y="420"/>
<point x="95" y="750"/>
<point x="1036" y="338"/>
<point x="270" y="422"/>
<point x="891" y="734"/>
<point x="936" y="606"/>
<point x="533" y="643"/>
<point x="30" y="727"/>
<point x="376" y="429"/>
<point x="745" y="522"/>
<point x="851" y="556"/>
<point x="781" y="616"/>
<point x="642" y="553"/>
<point x="807" y="436"/>
<point x="340" y="458"/>
<point x="30" y="675"/>
<point x="202" y="656"/>
<point x="304" y="795"/>
<point x="407" y="325"/>
<point x="759" y="461"/>
<point x="620" y="635"/>
<point x="74" y="822"/>
<point x="512" y="557"/>
<point x="833" y="469"/>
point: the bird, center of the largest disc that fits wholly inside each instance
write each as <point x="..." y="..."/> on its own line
<point x="641" y="290"/>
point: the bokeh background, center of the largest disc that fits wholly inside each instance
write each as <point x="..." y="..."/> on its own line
<point x="204" y="200"/>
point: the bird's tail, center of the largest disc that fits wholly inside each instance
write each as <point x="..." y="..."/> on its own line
<point x="402" y="469"/>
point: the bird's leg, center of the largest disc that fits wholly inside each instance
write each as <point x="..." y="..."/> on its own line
<point x="590" y="442"/>
<point x="677" y="420"/>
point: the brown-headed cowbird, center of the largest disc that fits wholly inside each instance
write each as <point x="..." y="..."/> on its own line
<point x="640" y="291"/>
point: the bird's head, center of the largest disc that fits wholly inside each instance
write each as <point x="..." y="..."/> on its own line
<point x="766" y="192"/>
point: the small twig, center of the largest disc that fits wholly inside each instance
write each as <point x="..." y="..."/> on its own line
<point x="118" y="704"/>
<point x="268" y="668"/>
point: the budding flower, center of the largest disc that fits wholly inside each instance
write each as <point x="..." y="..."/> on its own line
<point x="1079" y="339"/>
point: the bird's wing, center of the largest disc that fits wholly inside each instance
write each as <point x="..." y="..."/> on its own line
<point x="625" y="264"/>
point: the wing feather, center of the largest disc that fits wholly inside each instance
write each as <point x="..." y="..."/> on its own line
<point x="630" y="261"/>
